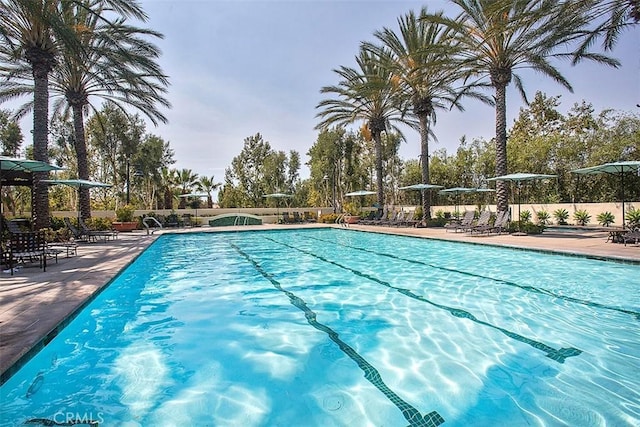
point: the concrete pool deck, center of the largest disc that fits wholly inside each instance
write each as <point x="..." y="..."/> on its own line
<point x="35" y="304"/>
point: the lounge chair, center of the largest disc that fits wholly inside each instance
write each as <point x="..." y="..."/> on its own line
<point x="75" y="232"/>
<point x="501" y="223"/>
<point x="482" y="224"/>
<point x="103" y="234"/>
<point x="632" y="236"/>
<point x="464" y="224"/>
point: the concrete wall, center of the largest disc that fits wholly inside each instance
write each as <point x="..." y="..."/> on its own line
<point x="269" y="214"/>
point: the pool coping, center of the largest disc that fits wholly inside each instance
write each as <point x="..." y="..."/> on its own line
<point x="28" y="326"/>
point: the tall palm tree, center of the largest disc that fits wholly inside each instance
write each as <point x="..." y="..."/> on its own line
<point x="496" y="38"/>
<point x="423" y="62"/>
<point x="114" y="63"/>
<point x="187" y="180"/>
<point x="366" y="94"/>
<point x="208" y="185"/>
<point x="34" y="31"/>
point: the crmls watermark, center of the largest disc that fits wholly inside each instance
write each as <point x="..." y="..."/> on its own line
<point x="79" y="419"/>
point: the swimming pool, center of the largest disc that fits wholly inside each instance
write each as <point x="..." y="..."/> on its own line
<point x="343" y="328"/>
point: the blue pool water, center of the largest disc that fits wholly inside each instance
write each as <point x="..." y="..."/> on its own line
<point x="343" y="328"/>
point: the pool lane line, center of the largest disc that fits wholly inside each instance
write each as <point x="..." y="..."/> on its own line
<point x="411" y="414"/>
<point x="506" y="282"/>
<point x="558" y="355"/>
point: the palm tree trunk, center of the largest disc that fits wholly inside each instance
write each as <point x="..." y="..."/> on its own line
<point x="377" y="137"/>
<point x="501" y="146"/>
<point x="424" y="162"/>
<point x="81" y="156"/>
<point x="40" y="191"/>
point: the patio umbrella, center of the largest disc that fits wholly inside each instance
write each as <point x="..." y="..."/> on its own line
<point x="196" y="196"/>
<point x="360" y="193"/>
<point x="615" y="168"/>
<point x="13" y="164"/>
<point x="518" y="178"/>
<point x="421" y="187"/>
<point x="278" y="196"/>
<point x="456" y="191"/>
<point x="77" y="183"/>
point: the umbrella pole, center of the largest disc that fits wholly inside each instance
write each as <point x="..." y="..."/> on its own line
<point x="622" y="195"/>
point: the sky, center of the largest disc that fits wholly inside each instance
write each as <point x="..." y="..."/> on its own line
<point x="241" y="67"/>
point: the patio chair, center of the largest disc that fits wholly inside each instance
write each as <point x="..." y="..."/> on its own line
<point x="75" y="232"/>
<point x="501" y="222"/>
<point x="14" y="227"/>
<point x="464" y="224"/>
<point x="103" y="234"/>
<point x="482" y="224"/>
<point x="632" y="236"/>
<point x="31" y="246"/>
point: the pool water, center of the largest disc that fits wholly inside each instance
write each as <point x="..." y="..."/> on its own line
<point x="334" y="327"/>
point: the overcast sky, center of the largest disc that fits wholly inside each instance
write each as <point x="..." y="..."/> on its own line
<point x="242" y="67"/>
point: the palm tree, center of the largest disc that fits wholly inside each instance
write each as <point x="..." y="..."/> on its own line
<point x="365" y="94"/>
<point x="187" y="180"/>
<point x="208" y="185"/>
<point x="423" y="62"/>
<point x="168" y="178"/>
<point x="114" y="64"/>
<point x="34" y="31"/>
<point x="609" y="18"/>
<point x="496" y="38"/>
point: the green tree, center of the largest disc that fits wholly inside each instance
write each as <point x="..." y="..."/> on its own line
<point x="208" y="185"/>
<point x="116" y="138"/>
<point x="152" y="157"/>
<point x="497" y="38"/>
<point x="366" y="94"/>
<point x="423" y="65"/>
<point x="36" y="33"/>
<point x="187" y="180"/>
<point x="10" y="135"/>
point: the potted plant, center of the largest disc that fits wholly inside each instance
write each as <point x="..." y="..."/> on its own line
<point x="124" y="219"/>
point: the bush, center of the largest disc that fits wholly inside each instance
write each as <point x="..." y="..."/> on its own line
<point x="582" y="217"/>
<point x="440" y="214"/>
<point x="605" y="218"/>
<point x="525" y="216"/>
<point x="125" y="213"/>
<point x="542" y="217"/>
<point x="328" y="218"/>
<point x="633" y="218"/>
<point x="526" y="227"/>
<point x="99" y="223"/>
<point x="561" y="215"/>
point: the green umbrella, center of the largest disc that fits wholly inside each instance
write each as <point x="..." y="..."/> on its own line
<point x="518" y="178"/>
<point x="278" y="196"/>
<point x="196" y="196"/>
<point x="77" y="183"/>
<point x="17" y="165"/>
<point x="614" y="168"/>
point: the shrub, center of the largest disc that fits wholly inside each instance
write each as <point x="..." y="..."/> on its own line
<point x="328" y="218"/>
<point x="525" y="216"/>
<point x="605" y="218"/>
<point x="561" y="215"/>
<point x="633" y="218"/>
<point x="125" y="213"/>
<point x="440" y="214"/>
<point x="99" y="223"/>
<point x="417" y="214"/>
<point x="526" y="227"/>
<point x="542" y="217"/>
<point x="582" y="217"/>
